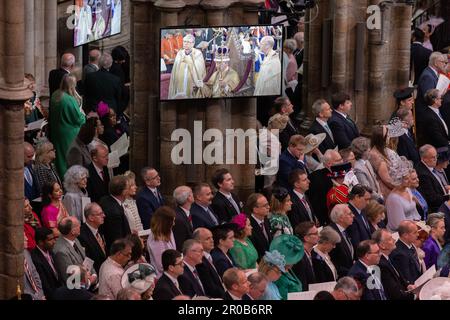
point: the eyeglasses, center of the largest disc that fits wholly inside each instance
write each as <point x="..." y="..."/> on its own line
<point x="153" y="178"/>
<point x="179" y="263"/>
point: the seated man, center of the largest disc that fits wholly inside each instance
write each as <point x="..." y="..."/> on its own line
<point x="237" y="285"/>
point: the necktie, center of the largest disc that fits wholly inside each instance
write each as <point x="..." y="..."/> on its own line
<point x="28" y="176"/>
<point x="102" y="175"/>
<point x="437" y="176"/>
<point x="328" y="130"/>
<point x="157" y="196"/>
<point x="264" y="230"/>
<point x="50" y="263"/>
<point x="29" y="275"/>
<point x="212" y="216"/>
<point x="308" y="209"/>
<point x="198" y="280"/>
<point x="77" y="250"/>
<point x="415" y="257"/>
<point x="393" y="268"/>
<point x="234" y="204"/>
<point x="442" y="121"/>
<point x="100" y="241"/>
<point x="442" y="177"/>
<point x="349" y="243"/>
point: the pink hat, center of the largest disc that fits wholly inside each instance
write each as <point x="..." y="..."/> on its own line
<point x="102" y="109"/>
<point x="240" y="220"/>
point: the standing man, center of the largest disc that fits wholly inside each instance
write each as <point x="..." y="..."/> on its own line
<point x="98" y="180"/>
<point x="419" y="54"/>
<point x="322" y="111"/>
<point x="92" y="66"/>
<point x="225" y="203"/>
<point x="291" y="159"/>
<point x="342" y="126"/>
<point x="301" y="209"/>
<point x="55" y="76"/>
<point x="283" y="106"/>
<point x="149" y="198"/>
<point x="182" y="230"/>
<point x="304" y="270"/>
<point x="201" y="210"/>
<point x="359" y="230"/>
<point x="30" y="181"/>
<point x="258" y="209"/>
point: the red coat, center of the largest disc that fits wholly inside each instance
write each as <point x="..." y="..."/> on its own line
<point x="337" y="195"/>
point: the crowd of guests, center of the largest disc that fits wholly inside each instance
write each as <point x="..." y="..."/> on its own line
<point x="339" y="204"/>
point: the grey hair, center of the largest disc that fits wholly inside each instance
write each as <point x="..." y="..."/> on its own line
<point x="433" y="57"/>
<point x="346" y="284"/>
<point x="88" y="209"/>
<point x="290" y="44"/>
<point x="256" y="278"/>
<point x="434" y="218"/>
<point x="269" y="39"/>
<point x="181" y="194"/>
<point x="105" y="61"/>
<point x="377" y="236"/>
<point x="67" y="60"/>
<point x="74" y="175"/>
<point x="188" y="244"/>
<point x="360" y="146"/>
<point x="317" y="106"/>
<point x="423" y="150"/>
<point x="328" y="156"/>
<point x="189" y="37"/>
<point x="337" y="212"/>
<point x="41" y="150"/>
<point x="328" y="234"/>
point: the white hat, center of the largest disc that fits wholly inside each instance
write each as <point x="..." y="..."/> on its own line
<point x="313" y="141"/>
<point x="140" y="276"/>
<point x="436" y="289"/>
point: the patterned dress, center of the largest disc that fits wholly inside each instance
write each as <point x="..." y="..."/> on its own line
<point x="280" y="224"/>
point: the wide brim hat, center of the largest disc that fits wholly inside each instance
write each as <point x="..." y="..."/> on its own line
<point x="140" y="276"/>
<point x="443" y="154"/>
<point x="289" y="246"/>
<point x="436" y="289"/>
<point x="313" y="141"/>
<point x="339" y="170"/>
<point x="404" y="93"/>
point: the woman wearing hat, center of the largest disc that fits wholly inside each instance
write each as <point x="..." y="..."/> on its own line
<point x="272" y="266"/>
<point x="432" y="246"/>
<point x="323" y="266"/>
<point x="243" y="251"/>
<point x="280" y="205"/>
<point x="339" y="192"/>
<point x="291" y="248"/>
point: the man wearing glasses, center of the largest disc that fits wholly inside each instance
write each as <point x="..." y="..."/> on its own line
<point x="366" y="271"/>
<point x="167" y="286"/>
<point x="149" y="198"/>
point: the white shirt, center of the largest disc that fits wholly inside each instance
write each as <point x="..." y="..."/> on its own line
<point x="342" y="114"/>
<point x="93" y="230"/>
<point x="69" y="241"/>
<point x="175" y="281"/>
<point x="409" y="246"/>
<point x="300" y="195"/>
<point x="257" y="220"/>
<point x="99" y="171"/>
<point x="233" y="296"/>
<point x="186" y="211"/>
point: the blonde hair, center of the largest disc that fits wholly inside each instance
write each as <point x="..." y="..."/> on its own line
<point x="68" y="86"/>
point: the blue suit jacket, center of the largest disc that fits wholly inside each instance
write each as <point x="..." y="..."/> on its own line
<point x="221" y="262"/>
<point x="31" y="191"/>
<point x="405" y="262"/>
<point x="358" y="231"/>
<point x="287" y="164"/>
<point x="343" y="130"/>
<point x="200" y="218"/>
<point x="407" y="147"/>
<point x="359" y="272"/>
<point x="147" y="204"/>
<point x="427" y="80"/>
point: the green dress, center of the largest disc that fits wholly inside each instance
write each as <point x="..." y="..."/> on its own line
<point x="288" y="282"/>
<point x="66" y="120"/>
<point x="245" y="256"/>
<point x="280" y="224"/>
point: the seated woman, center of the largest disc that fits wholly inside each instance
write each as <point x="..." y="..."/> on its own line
<point x="272" y="266"/>
<point x="223" y="236"/>
<point x="432" y="246"/>
<point x="400" y="204"/>
<point x="323" y="266"/>
<point x="280" y="205"/>
<point x="53" y="210"/>
<point x="75" y="183"/>
<point x="375" y="214"/>
<point x="30" y="224"/>
<point x="44" y="167"/>
<point x="243" y="251"/>
<point x="291" y="248"/>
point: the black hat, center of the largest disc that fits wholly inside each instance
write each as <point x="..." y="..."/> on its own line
<point x="280" y="193"/>
<point x="404" y="93"/>
<point x="443" y="154"/>
<point x="340" y="170"/>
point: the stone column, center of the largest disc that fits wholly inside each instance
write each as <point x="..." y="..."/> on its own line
<point x="29" y="36"/>
<point x="39" y="43"/>
<point x="169" y="17"/>
<point x="50" y="46"/>
<point x="13" y="93"/>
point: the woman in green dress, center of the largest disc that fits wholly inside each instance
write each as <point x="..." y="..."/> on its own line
<point x="66" y="119"/>
<point x="280" y="204"/>
<point x="243" y="251"/>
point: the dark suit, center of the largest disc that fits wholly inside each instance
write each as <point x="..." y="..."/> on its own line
<point x="341" y="255"/>
<point x="321" y="269"/>
<point x="359" y="272"/>
<point x="64" y="293"/>
<point x="258" y="239"/>
<point x="31" y="191"/>
<point x="394" y="285"/>
<point x="182" y="230"/>
<point x="328" y="142"/>
<point x="298" y="54"/>
<point x="358" y="231"/>
<point x="54" y="79"/>
<point x="49" y="279"/>
<point x="406" y="262"/>
<point x="212" y="283"/>
<point x="298" y="211"/>
<point x="189" y="283"/>
<point x="223" y="208"/>
<point x="344" y="131"/>
<point x="103" y="86"/>
<point x="407" y="147"/>
<point x="427" y="80"/>
<point x="165" y="289"/>
<point x="92" y="247"/>
<point x="201" y="218"/>
<point x="304" y="270"/>
<point x="116" y="223"/>
<point x="221" y="262"/>
<point x="96" y="187"/>
<point x="432" y="130"/>
<point x="446" y="211"/>
<point x="287" y="133"/>
<point x="244" y="297"/>
<point x="420" y="56"/>
<point x="317" y="193"/>
<point x="287" y="164"/>
<point x="429" y="187"/>
<point x="147" y="203"/>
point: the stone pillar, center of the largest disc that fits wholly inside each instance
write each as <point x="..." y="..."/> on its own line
<point x="50" y="36"/>
<point x="169" y="17"/>
<point x="29" y="36"/>
<point x="13" y="93"/>
<point x="39" y="43"/>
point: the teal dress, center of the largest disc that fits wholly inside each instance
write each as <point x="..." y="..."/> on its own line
<point x="245" y="256"/>
<point x="66" y="120"/>
<point x="288" y="282"/>
<point x="280" y="224"/>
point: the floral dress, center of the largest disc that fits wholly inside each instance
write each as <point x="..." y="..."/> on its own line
<point x="280" y="224"/>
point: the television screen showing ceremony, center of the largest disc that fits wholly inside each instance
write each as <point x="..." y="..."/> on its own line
<point x="96" y="20"/>
<point x="221" y="62"/>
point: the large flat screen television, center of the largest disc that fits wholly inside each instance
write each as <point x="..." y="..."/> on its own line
<point x="220" y="62"/>
<point x="96" y="20"/>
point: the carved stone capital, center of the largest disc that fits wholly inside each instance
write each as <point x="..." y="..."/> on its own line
<point x="170" y="5"/>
